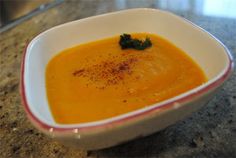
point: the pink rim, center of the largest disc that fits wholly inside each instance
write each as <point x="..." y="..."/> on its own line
<point x="46" y="127"/>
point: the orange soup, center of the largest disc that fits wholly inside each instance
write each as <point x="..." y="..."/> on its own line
<point x="99" y="80"/>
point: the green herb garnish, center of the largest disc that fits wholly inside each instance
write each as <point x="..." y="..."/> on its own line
<point x="127" y="42"/>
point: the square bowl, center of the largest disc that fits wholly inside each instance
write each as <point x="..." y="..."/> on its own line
<point x="210" y="54"/>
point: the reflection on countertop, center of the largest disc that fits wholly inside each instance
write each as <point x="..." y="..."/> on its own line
<point x="211" y="132"/>
<point x="215" y="8"/>
<point x="14" y="12"/>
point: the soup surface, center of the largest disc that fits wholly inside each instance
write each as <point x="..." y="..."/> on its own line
<point x="99" y="80"/>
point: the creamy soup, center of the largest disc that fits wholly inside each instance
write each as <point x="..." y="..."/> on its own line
<point x="99" y="80"/>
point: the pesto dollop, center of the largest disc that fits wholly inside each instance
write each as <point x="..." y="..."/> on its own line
<point x="127" y="42"/>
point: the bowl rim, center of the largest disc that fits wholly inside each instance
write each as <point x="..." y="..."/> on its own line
<point x="181" y="100"/>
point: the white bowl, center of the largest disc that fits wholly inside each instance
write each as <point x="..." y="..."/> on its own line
<point x="212" y="56"/>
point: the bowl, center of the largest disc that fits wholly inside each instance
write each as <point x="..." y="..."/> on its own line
<point x="211" y="55"/>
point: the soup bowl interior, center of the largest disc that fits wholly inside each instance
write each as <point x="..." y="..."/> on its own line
<point x="203" y="48"/>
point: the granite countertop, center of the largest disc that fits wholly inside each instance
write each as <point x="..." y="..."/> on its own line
<point x="210" y="132"/>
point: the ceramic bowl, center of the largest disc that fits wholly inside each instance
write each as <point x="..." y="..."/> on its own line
<point x="211" y="55"/>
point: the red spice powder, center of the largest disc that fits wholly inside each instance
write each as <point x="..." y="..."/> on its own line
<point x="107" y="72"/>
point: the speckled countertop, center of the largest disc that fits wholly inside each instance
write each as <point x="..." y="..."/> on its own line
<point x="210" y="132"/>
